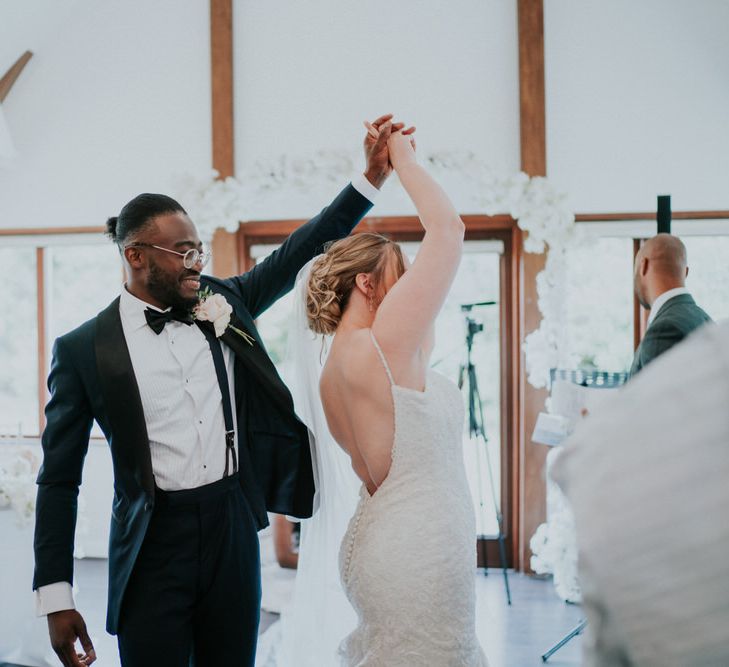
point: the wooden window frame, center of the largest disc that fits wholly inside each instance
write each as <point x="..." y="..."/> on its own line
<point x="232" y="256"/>
<point x="41" y="309"/>
<point x="640" y="314"/>
<point x="478" y="227"/>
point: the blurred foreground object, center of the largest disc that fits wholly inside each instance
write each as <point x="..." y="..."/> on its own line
<point x="646" y="478"/>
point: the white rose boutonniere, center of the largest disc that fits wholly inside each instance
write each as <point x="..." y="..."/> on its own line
<point x="214" y="308"/>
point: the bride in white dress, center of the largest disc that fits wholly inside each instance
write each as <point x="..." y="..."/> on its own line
<point x="408" y="558"/>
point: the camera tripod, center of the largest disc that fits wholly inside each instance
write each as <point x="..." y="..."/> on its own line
<point x="476" y="429"/>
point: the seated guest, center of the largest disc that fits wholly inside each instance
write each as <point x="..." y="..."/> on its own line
<point x="646" y="477"/>
<point x="660" y="276"/>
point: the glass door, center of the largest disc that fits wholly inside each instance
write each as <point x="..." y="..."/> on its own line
<point x="478" y="280"/>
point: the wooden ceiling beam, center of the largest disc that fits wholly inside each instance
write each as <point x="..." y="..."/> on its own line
<point x="11" y="76"/>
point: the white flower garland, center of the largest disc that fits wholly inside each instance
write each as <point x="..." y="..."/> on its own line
<point x="541" y="212"/>
<point x="17" y="485"/>
<point x="554" y="543"/>
<point x="535" y="205"/>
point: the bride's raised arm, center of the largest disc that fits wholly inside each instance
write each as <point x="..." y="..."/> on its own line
<point x="409" y="309"/>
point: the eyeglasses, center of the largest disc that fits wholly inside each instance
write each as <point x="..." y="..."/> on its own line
<point x="189" y="258"/>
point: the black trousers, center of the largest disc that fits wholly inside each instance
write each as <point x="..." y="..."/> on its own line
<point x="195" y="592"/>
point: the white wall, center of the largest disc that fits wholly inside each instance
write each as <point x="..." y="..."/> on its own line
<point x="308" y="73"/>
<point x="638" y="102"/>
<point x="117" y="98"/>
<point x="115" y="101"/>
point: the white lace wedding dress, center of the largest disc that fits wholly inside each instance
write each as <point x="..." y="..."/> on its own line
<point x="408" y="558"/>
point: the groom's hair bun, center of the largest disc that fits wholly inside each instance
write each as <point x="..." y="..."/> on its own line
<point x="333" y="275"/>
<point x="111" y="227"/>
<point x="138" y="214"/>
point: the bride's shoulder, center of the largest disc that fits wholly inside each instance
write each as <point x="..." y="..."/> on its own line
<point x="351" y="357"/>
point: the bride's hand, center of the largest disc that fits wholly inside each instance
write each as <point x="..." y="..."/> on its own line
<point x="379" y="165"/>
<point x="402" y="149"/>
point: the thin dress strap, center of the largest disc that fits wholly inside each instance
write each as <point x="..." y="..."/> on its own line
<point x="382" y="357"/>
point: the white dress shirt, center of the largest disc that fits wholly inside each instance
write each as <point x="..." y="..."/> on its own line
<point x="182" y="405"/>
<point x="181" y="398"/>
<point x="661" y="301"/>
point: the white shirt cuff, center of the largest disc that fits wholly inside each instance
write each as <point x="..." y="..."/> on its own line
<point x="365" y="188"/>
<point x="54" y="597"/>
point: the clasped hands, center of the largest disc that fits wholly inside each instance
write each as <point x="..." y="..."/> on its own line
<point x="385" y="144"/>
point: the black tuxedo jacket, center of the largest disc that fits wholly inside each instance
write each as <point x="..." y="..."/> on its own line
<point x="92" y="378"/>
<point x="678" y="317"/>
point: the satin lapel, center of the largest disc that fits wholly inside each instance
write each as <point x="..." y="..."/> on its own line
<point x="120" y="393"/>
<point x="255" y="360"/>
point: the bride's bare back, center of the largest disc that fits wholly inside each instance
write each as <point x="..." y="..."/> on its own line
<point x="358" y="405"/>
<point x="355" y="390"/>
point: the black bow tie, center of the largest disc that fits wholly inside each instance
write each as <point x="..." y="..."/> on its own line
<point x="157" y="319"/>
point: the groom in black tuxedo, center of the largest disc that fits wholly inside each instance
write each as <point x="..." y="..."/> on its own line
<point x="202" y="432"/>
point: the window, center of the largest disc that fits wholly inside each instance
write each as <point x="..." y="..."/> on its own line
<point x="708" y="260"/>
<point x="274" y="324"/>
<point x="56" y="283"/>
<point x="477" y="280"/>
<point x="80" y="281"/>
<point x="599" y="299"/>
<point x="19" y="343"/>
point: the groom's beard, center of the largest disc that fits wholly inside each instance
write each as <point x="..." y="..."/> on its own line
<point x="166" y="288"/>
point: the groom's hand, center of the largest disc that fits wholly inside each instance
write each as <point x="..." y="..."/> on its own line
<point x="64" y="628"/>
<point x="375" y="147"/>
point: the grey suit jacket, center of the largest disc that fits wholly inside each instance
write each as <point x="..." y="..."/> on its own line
<point x="677" y="318"/>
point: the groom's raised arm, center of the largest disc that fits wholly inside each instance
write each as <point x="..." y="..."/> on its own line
<point x="274" y="276"/>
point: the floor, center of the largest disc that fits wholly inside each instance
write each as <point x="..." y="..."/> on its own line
<point x="513" y="636"/>
<point x="517" y="636"/>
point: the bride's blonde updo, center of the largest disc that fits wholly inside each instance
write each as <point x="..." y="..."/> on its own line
<point x="333" y="276"/>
